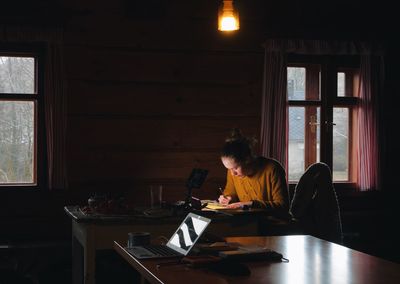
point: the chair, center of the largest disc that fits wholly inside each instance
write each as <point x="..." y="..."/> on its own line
<point x="314" y="207"/>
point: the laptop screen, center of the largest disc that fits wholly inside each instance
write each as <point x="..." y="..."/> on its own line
<point x="188" y="233"/>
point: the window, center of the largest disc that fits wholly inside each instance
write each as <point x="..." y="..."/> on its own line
<point x="322" y="108"/>
<point x="20" y="122"/>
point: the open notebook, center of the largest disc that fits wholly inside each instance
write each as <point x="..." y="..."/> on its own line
<point x="180" y="243"/>
<point x="213" y="204"/>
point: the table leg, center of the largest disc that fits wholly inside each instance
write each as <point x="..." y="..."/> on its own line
<point x="89" y="252"/>
<point x="84" y="253"/>
<point x="77" y="261"/>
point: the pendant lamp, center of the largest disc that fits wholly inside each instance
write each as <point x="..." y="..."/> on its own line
<point x="228" y="16"/>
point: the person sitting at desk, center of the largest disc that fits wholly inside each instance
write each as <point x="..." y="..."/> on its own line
<point x="252" y="181"/>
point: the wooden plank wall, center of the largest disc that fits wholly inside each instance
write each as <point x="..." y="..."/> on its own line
<point x="153" y="89"/>
<point x="152" y="96"/>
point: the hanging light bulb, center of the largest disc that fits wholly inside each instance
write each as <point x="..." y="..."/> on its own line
<point x="228" y="16"/>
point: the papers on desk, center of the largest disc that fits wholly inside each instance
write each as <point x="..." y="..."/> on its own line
<point x="213" y="205"/>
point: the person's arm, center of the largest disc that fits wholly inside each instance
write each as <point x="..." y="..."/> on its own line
<point x="240" y="204"/>
<point x="229" y="191"/>
<point x="278" y="190"/>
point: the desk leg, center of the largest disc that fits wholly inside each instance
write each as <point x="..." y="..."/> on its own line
<point x="83" y="253"/>
<point x="89" y="256"/>
<point x="77" y="261"/>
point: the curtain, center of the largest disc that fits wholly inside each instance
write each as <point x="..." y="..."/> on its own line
<point x="273" y="109"/>
<point x="54" y="95"/>
<point x="55" y="116"/>
<point x="371" y="82"/>
<point x="273" y="112"/>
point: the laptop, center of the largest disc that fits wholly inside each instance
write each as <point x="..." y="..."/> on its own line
<point x="180" y="243"/>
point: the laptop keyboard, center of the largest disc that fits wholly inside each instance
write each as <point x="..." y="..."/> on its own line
<point x="161" y="250"/>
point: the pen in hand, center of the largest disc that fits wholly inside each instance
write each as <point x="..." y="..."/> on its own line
<point x="222" y="192"/>
<point x="223" y="199"/>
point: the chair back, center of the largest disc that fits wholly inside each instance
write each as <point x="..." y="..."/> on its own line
<point x="315" y="206"/>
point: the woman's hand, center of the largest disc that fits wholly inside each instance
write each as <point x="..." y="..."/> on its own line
<point x="237" y="205"/>
<point x="224" y="200"/>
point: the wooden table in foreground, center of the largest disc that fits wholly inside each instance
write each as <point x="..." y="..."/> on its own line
<point x="311" y="260"/>
<point x="94" y="232"/>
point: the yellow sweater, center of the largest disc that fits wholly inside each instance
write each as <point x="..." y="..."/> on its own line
<point x="267" y="188"/>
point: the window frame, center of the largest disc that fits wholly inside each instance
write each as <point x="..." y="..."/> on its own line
<point x="37" y="97"/>
<point x="329" y="67"/>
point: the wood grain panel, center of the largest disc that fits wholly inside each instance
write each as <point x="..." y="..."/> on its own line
<point x="138" y="193"/>
<point x="176" y="33"/>
<point x="98" y="97"/>
<point x="124" y="134"/>
<point x="142" y="165"/>
<point x="179" y="24"/>
<point x="176" y="66"/>
<point x="132" y="173"/>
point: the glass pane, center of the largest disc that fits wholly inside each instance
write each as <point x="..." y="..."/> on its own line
<point x="348" y="82"/>
<point x="304" y="139"/>
<point x="340" y="144"/>
<point x="317" y="136"/>
<point x="17" y="142"/>
<point x="17" y="75"/>
<point x="312" y="135"/>
<point x="341" y="76"/>
<point x="296" y="83"/>
<point x="296" y="142"/>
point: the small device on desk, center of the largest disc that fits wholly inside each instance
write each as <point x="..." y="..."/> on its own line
<point x="197" y="204"/>
<point x="195" y="180"/>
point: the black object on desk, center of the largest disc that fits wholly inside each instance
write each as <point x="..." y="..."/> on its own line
<point x="244" y="255"/>
<point x="195" y="180"/>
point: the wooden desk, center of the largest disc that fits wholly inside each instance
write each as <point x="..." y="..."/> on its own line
<point x="92" y="233"/>
<point x="311" y="260"/>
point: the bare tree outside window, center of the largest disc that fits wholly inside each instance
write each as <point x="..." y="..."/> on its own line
<point x="17" y="120"/>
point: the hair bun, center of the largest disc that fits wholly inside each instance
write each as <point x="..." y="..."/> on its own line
<point x="239" y="147"/>
<point x="236" y="134"/>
